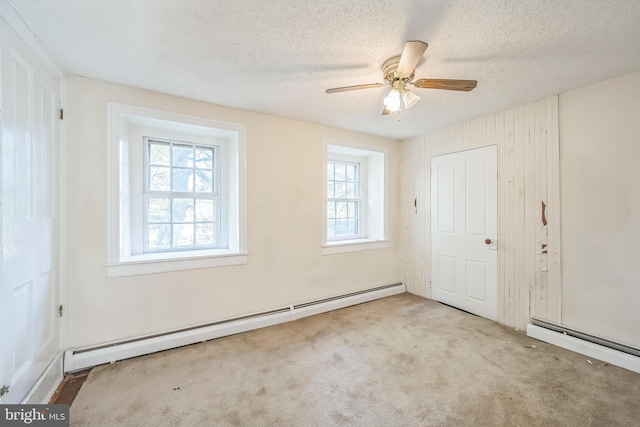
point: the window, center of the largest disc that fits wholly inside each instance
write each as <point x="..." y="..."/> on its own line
<point x="355" y="200"/>
<point x="343" y="200"/>
<point x="180" y="196"/>
<point x="176" y="192"/>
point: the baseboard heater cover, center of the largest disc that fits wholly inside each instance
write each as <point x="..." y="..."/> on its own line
<point x="83" y="358"/>
<point x="327" y="304"/>
<point x="599" y="348"/>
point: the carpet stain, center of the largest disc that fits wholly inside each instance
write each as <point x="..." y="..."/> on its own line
<point x="136" y="405"/>
<point x="336" y="359"/>
<point x="404" y="359"/>
<point x="340" y="419"/>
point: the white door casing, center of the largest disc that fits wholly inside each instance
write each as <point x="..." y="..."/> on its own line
<point x="29" y="332"/>
<point x="464" y="222"/>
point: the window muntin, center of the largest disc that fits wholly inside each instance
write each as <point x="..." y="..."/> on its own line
<point x="181" y="196"/>
<point x="344" y="200"/>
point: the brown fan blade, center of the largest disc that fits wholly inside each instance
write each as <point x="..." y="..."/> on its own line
<point x="386" y="111"/>
<point x="355" y="87"/>
<point x="413" y="51"/>
<point x="446" y="84"/>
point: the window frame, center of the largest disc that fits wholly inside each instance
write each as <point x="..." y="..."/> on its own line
<point x="374" y="188"/>
<point x="215" y="195"/>
<point x="360" y="198"/>
<point x="125" y="189"/>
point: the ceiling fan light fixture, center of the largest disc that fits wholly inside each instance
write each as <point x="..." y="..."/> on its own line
<point x="398" y="72"/>
<point x="392" y="100"/>
<point x="409" y="99"/>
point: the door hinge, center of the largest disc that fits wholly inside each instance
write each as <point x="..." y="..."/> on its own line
<point x="61" y="114"/>
<point x="4" y="390"/>
<point x="60" y="311"/>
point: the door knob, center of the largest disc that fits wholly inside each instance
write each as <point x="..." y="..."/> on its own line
<point x="487" y="241"/>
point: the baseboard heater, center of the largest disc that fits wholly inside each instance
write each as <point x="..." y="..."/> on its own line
<point x="82" y="358"/>
<point x="603" y="349"/>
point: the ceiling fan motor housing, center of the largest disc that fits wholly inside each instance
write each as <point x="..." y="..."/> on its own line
<point x="390" y="72"/>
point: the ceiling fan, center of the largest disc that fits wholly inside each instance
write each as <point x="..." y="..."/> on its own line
<point x="399" y="71"/>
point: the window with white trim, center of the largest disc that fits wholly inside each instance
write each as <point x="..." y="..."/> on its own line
<point x="344" y="203"/>
<point x="176" y="192"/>
<point x="354" y="197"/>
<point x="181" y="196"/>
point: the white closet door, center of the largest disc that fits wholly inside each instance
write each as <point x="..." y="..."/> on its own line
<point x="464" y="221"/>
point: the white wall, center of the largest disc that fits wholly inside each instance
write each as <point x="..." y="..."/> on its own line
<point x="600" y="187"/>
<point x="527" y="140"/>
<point x="528" y="250"/>
<point x="284" y="211"/>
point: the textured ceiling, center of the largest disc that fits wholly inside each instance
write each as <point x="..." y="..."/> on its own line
<point x="278" y="56"/>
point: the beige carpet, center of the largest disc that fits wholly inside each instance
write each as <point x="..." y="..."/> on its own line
<point x="400" y="361"/>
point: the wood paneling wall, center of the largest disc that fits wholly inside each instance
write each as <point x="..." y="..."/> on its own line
<point x="529" y="270"/>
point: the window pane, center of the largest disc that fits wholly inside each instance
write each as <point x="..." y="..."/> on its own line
<point x="330" y="190"/>
<point x="182" y="210"/>
<point x="352" y="213"/>
<point x="340" y="172"/>
<point x="341" y="227"/>
<point x="341" y="191"/>
<point x="183" y="180"/>
<point x="182" y="235"/>
<point x="351" y="173"/>
<point x="330" y="171"/>
<point x="159" y="154"/>
<point x="204" y="234"/>
<point x="204" y="210"/>
<point x="331" y="209"/>
<point x="331" y="228"/>
<point x="341" y="209"/>
<point x="159" y="236"/>
<point x="159" y="210"/>
<point x="159" y="179"/>
<point x="183" y="155"/>
<point x="204" y="158"/>
<point x="204" y="181"/>
<point x="351" y="227"/>
<point x="351" y="190"/>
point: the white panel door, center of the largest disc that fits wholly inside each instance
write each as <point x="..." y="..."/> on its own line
<point x="464" y="223"/>
<point x="29" y="337"/>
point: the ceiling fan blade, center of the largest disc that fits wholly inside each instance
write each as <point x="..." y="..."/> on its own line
<point x="446" y="84"/>
<point x="386" y="111"/>
<point x="413" y="51"/>
<point x="355" y="87"/>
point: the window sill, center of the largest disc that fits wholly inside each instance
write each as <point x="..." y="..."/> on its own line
<point x="344" y="246"/>
<point x="172" y="261"/>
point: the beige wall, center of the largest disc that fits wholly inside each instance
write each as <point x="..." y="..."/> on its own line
<point x="284" y="217"/>
<point x="600" y="187"/>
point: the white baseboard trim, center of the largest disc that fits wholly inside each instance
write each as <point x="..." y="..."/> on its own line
<point x="47" y="383"/>
<point x="606" y="354"/>
<point x="82" y="358"/>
